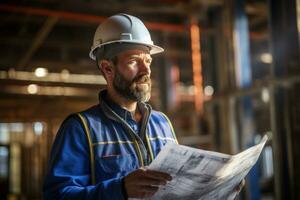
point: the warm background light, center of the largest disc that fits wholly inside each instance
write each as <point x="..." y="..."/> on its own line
<point x="266" y="58"/>
<point x="32" y="89"/>
<point x="41" y="72"/>
<point x="208" y="90"/>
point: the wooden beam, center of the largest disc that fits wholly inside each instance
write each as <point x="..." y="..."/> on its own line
<point x="38" y="41"/>
<point x="85" y="17"/>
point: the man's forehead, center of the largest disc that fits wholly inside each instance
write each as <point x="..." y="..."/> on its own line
<point x="135" y="53"/>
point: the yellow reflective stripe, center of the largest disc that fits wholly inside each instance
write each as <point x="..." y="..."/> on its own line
<point x="87" y="132"/>
<point x="150" y="148"/>
<point x="173" y="132"/>
<point x="139" y="152"/>
<point x="136" y="145"/>
<point x="113" y="142"/>
<point x="162" y="138"/>
<point x="137" y="148"/>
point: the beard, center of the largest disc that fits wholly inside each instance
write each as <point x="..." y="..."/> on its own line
<point x="138" y="89"/>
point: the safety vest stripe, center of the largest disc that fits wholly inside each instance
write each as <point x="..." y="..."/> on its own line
<point x="113" y="142"/>
<point x="173" y="132"/>
<point x="130" y="142"/>
<point x="139" y="153"/>
<point x="136" y="145"/>
<point x="127" y="142"/>
<point x="87" y="132"/>
<point x="150" y="148"/>
<point x="137" y="148"/>
<point x="162" y="138"/>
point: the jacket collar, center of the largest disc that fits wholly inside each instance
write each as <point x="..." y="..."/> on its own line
<point x="110" y="108"/>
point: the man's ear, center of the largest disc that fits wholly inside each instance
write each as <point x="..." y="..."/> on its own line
<point x="106" y="67"/>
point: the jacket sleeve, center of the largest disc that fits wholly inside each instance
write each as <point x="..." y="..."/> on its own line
<point x="68" y="175"/>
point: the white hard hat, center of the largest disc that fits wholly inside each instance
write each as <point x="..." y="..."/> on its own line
<point x="123" y="28"/>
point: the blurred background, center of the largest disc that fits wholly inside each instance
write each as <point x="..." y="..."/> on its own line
<point x="229" y="75"/>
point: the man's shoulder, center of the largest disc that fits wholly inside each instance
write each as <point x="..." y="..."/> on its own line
<point x="76" y="120"/>
<point x="159" y="116"/>
<point x="91" y="112"/>
<point x="157" y="113"/>
<point x="164" y="126"/>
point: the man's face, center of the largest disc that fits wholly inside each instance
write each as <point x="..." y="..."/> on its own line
<point x="132" y="75"/>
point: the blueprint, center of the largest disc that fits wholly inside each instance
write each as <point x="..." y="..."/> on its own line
<point x="199" y="174"/>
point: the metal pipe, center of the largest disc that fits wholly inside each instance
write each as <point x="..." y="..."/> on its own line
<point x="95" y="19"/>
<point x="85" y="17"/>
<point x="197" y="66"/>
<point x="63" y="77"/>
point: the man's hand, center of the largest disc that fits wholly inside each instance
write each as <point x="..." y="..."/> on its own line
<point x="143" y="183"/>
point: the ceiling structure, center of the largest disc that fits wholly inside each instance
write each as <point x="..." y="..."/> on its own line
<point x="57" y="35"/>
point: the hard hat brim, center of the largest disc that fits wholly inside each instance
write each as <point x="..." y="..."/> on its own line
<point x="154" y="49"/>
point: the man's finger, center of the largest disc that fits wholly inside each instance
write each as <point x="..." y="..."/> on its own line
<point x="157" y="175"/>
<point x="145" y="191"/>
<point x="149" y="189"/>
<point x="151" y="181"/>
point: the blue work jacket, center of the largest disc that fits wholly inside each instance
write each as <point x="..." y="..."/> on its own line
<point x="94" y="149"/>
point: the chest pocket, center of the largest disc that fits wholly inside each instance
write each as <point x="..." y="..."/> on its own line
<point x="115" y="165"/>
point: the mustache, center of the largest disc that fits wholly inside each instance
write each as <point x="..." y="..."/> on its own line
<point x="142" y="79"/>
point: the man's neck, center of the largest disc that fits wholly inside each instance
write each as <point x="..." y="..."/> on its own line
<point x="125" y="103"/>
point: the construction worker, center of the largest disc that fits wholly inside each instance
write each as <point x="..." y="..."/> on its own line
<point x="102" y="152"/>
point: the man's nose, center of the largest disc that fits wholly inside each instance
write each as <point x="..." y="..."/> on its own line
<point x="145" y="67"/>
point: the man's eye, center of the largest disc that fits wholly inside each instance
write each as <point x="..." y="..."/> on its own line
<point x="132" y="62"/>
<point x="148" y="61"/>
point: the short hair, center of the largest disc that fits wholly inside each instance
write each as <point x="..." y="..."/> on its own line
<point x="99" y="57"/>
